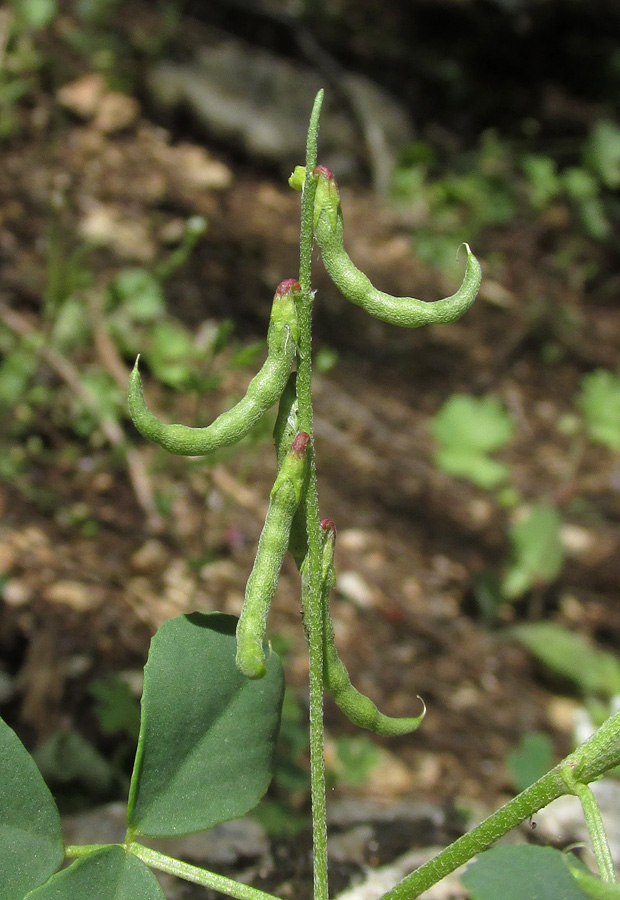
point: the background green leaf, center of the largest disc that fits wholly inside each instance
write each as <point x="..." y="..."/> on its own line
<point x="537" y="550"/>
<point x="108" y="874"/>
<point x="208" y="734"/>
<point x="31" y="847"/>
<point x="467" y="429"/>
<point x="67" y="760"/>
<point x="593" y="886"/>
<point x="521" y="873"/>
<point x="599" y="401"/>
<point x="567" y="654"/>
<point x="473" y="422"/>
<point x="481" y="470"/>
<point x="532" y="758"/>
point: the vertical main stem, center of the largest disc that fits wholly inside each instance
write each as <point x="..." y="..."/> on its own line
<point x="311" y="602"/>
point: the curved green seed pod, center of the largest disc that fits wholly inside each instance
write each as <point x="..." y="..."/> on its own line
<point x="272" y="547"/>
<point x="263" y="391"/>
<point x="357" y="707"/>
<point x="285" y="429"/>
<point x="356" y="287"/>
<point x="286" y="425"/>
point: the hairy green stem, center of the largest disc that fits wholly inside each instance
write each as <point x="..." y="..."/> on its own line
<point x="588" y="762"/>
<point x="77" y="851"/>
<point x="311" y="595"/>
<point x="195" y="874"/>
<point x="595" y="824"/>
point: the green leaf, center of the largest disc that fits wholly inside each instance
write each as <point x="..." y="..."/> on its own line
<point x="530" y="760"/>
<point x="66" y="758"/>
<point x="207" y="738"/>
<point x="246" y="356"/>
<point x="37" y="14"/>
<point x="141" y="295"/>
<point x="521" y="873"/>
<point x="480" y="423"/>
<point x="468" y="429"/>
<point x="107" y="874"/>
<point x="107" y="401"/>
<point x="543" y="182"/>
<point x="603" y="153"/>
<point x="356" y="757"/>
<point x="71" y="327"/>
<point x="171" y="354"/>
<point x="593" y="886"/>
<point x="580" y="184"/>
<point x="569" y="655"/>
<point x="31" y="847"/>
<point x="116" y="708"/>
<point x="481" y="470"/>
<point x="16" y="370"/>
<point x="537" y="551"/>
<point x="599" y="402"/>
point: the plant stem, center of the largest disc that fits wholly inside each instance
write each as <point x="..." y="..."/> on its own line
<point x="164" y="863"/>
<point x="595" y="824"/>
<point x="588" y="762"/>
<point x="311" y="602"/>
<point x="195" y="874"/>
<point x="77" y="851"/>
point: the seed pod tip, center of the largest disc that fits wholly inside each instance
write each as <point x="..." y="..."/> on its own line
<point x="324" y="172"/>
<point x="287" y="286"/>
<point x="328" y="525"/>
<point x="300" y="442"/>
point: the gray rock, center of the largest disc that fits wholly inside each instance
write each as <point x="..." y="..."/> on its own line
<point x="261" y="103"/>
<point x="223" y="845"/>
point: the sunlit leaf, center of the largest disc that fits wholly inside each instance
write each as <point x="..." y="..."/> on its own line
<point x="208" y="734"/>
<point x="569" y="655"/>
<point x="537" y="550"/>
<point x="599" y="402"/>
<point x="107" y="874"/>
<point x="521" y="873"/>
<point x="31" y="847"/>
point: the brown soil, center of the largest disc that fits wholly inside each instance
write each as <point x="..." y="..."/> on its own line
<point x="411" y="539"/>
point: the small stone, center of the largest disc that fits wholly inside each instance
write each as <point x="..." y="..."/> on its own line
<point x="16" y="592"/>
<point x="352" y="586"/>
<point x="151" y="554"/>
<point x="116" y="113"/>
<point x="102" y="482"/>
<point x="8" y="557"/>
<point x="104" y="226"/>
<point x="350" y="846"/>
<point x="561" y="713"/>
<point x="82" y="97"/>
<point x="172" y="232"/>
<point x="31" y="539"/>
<point x="221" y="570"/>
<point x="577" y="540"/>
<point x="354" y="539"/>
<point x="390" y="777"/>
<point x="79" y="596"/>
<point x="77" y="665"/>
<point x="194" y="165"/>
<point x="222" y="845"/>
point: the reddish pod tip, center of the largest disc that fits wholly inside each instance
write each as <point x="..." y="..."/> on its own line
<point x="328" y="525"/>
<point x="287" y="286"/>
<point x="324" y="172"/>
<point x="300" y="442"/>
